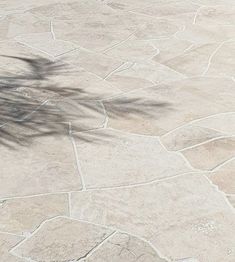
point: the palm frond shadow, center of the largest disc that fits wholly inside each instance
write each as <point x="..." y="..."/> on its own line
<point x="32" y="105"/>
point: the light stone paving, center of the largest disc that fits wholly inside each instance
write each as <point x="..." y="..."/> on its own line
<point x="117" y="131"/>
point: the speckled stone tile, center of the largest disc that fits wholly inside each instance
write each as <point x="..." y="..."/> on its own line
<point x="117" y="130"/>
<point x="131" y="154"/>
<point x="23" y="215"/>
<point x="123" y="247"/>
<point x="186" y="208"/>
<point x="68" y="240"/>
<point x="41" y="164"/>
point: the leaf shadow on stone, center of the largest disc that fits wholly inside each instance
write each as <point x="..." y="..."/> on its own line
<point x="30" y="104"/>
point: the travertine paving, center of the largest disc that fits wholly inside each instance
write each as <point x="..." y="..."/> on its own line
<point x="117" y="130"/>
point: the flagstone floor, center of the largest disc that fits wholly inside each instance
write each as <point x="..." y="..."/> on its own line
<point x="117" y="130"/>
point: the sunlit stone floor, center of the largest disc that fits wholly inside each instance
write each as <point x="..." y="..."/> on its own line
<point x="117" y="130"/>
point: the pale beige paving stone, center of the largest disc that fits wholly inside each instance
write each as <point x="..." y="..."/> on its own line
<point x="12" y="6"/>
<point x="83" y="115"/>
<point x="168" y="106"/>
<point x="188" y="136"/>
<point x="169" y="48"/>
<point x="215" y="2"/>
<point x="45" y="43"/>
<point x="96" y="33"/>
<point x="222" y="63"/>
<point x="231" y="199"/>
<point x="221" y="15"/>
<point x="156" y="29"/>
<point x="132" y="50"/>
<point x="206" y="34"/>
<point x="123" y="247"/>
<point x="192" y="62"/>
<point x="143" y="74"/>
<point x="182" y="217"/>
<point x="8" y="241"/>
<point x="79" y="84"/>
<point x="67" y="9"/>
<point x="96" y="63"/>
<point x="12" y="55"/>
<point x="120" y="159"/>
<point x="23" y="215"/>
<point x="167" y="9"/>
<point x="35" y="162"/>
<point x="211" y="154"/>
<point x="224" y="177"/>
<point x="21" y="24"/>
<point x="62" y="239"/>
<point x="224" y="123"/>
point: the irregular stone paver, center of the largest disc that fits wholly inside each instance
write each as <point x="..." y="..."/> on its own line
<point x="24" y="215"/>
<point x="123" y="247"/>
<point x="188" y="136"/>
<point x="47" y="165"/>
<point x="8" y="241"/>
<point x="224" y="177"/>
<point x="45" y="42"/>
<point x="120" y="113"/>
<point x="133" y="76"/>
<point x="62" y="239"/>
<point x="123" y="159"/>
<point x="172" y="215"/>
<point x="162" y="108"/>
<point x="211" y="154"/>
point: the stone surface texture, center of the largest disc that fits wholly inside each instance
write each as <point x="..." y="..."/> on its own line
<point x="117" y="131"/>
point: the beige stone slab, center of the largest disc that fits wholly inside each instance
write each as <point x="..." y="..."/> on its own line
<point x="83" y="115"/>
<point x="207" y="33"/>
<point x="216" y="15"/>
<point x="224" y="123"/>
<point x="188" y="136"/>
<point x="8" y="241"/>
<point x="140" y="75"/>
<point x="170" y="48"/>
<point x="24" y="215"/>
<point x="79" y="84"/>
<point x="200" y="216"/>
<point x="123" y="247"/>
<point x="67" y="9"/>
<point x="34" y="162"/>
<point x="45" y="43"/>
<point x="170" y="8"/>
<point x="124" y="159"/>
<point x="13" y="55"/>
<point x="20" y="24"/>
<point x="133" y="50"/>
<point x="14" y="106"/>
<point x="156" y="29"/>
<point x="158" y="110"/>
<point x="231" y="199"/>
<point x="96" y="33"/>
<point x="224" y="56"/>
<point x="193" y="62"/>
<point x="215" y="2"/>
<point x="224" y="177"/>
<point x="96" y="63"/>
<point x="211" y="154"/>
<point x="62" y="239"/>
